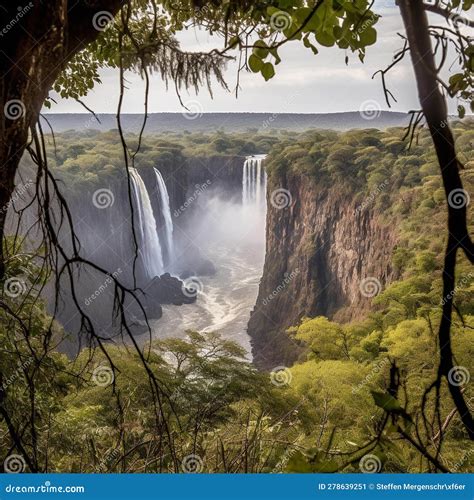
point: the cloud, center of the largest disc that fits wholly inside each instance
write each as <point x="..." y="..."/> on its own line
<point x="321" y="83"/>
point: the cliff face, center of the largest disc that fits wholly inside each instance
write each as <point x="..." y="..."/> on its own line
<point x="319" y="249"/>
<point x="181" y="178"/>
<point x="220" y="172"/>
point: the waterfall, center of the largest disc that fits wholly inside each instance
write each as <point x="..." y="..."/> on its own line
<point x="166" y="213"/>
<point x="244" y="183"/>
<point x="254" y="181"/>
<point x="149" y="243"/>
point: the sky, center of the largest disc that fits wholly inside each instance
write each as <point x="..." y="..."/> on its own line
<point x="304" y="83"/>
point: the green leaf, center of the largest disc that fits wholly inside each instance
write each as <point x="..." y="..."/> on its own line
<point x="368" y="36"/>
<point x="325" y="38"/>
<point x="274" y="53"/>
<point x="307" y="43"/>
<point x="390" y="404"/>
<point x="268" y="71"/>
<point x="461" y="111"/>
<point x="255" y="63"/>
<point x="302" y="14"/>
<point x="234" y="41"/>
<point x="260" y="49"/>
<point x="458" y="82"/>
<point x="298" y="463"/>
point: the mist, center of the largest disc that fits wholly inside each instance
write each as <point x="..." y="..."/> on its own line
<point x="225" y="237"/>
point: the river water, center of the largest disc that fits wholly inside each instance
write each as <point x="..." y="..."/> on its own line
<point x="231" y="234"/>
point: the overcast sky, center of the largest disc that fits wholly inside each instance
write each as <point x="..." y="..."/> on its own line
<point x="304" y="83"/>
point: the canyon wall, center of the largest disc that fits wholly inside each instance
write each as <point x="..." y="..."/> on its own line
<point x="319" y="249"/>
<point x="222" y="173"/>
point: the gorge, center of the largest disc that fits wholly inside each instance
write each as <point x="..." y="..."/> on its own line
<point x="201" y="220"/>
<point x="244" y="244"/>
<point x="295" y="269"/>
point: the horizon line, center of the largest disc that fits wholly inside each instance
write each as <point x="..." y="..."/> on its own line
<point x="223" y="112"/>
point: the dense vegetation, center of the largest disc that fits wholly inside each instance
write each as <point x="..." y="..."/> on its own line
<point x="92" y="157"/>
<point x="217" y="413"/>
<point x="404" y="187"/>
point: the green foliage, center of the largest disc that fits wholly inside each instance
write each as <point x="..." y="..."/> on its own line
<point x="347" y="25"/>
<point x="346" y="366"/>
<point x="143" y="38"/>
<point x="216" y="404"/>
<point x="325" y="339"/>
<point x="91" y="158"/>
<point x="91" y="418"/>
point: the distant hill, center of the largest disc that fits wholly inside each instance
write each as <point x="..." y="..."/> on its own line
<point x="161" y="122"/>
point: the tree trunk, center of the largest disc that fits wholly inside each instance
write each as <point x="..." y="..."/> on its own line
<point x="37" y="42"/>
<point x="435" y="111"/>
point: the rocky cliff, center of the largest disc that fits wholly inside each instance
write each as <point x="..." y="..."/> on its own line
<point x="323" y="257"/>
<point x="220" y="172"/>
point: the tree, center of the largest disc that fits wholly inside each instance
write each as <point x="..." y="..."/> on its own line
<point x="32" y="57"/>
<point x="325" y="339"/>
<point x="434" y="109"/>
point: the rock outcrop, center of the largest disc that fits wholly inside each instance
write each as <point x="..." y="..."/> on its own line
<point x="322" y="253"/>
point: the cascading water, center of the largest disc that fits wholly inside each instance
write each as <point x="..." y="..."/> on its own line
<point x="166" y="213"/>
<point x="149" y="243"/>
<point x="254" y="181"/>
